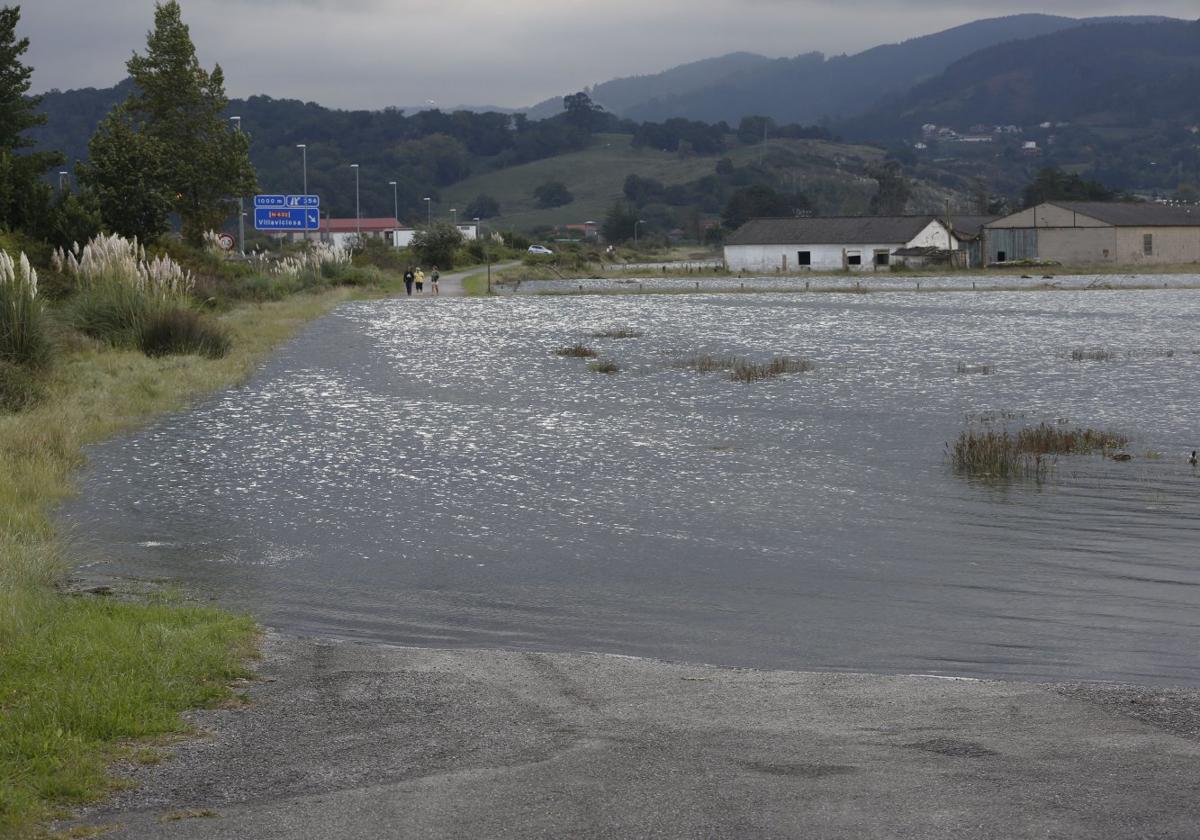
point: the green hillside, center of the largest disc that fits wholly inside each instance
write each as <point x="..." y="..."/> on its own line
<point x="830" y="172"/>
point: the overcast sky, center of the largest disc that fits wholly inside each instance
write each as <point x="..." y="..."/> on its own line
<point x="514" y="53"/>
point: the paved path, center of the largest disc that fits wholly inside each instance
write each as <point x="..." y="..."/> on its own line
<point x="451" y="285"/>
<point x="355" y="741"/>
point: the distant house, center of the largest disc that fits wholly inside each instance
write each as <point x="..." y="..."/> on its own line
<point x="586" y="230"/>
<point x="853" y="243"/>
<point x="345" y="231"/>
<point x="1096" y="233"/>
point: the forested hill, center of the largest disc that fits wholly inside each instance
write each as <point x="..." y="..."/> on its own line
<point x="1114" y="74"/>
<point x="622" y="95"/>
<point x="810" y="88"/>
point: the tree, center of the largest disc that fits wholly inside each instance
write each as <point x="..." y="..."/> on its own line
<point x="552" y="194"/>
<point x="20" y="188"/>
<point x="1053" y="184"/>
<point x="620" y="223"/>
<point x="759" y="201"/>
<point x="180" y="106"/>
<point x="582" y="112"/>
<point x="127" y="172"/>
<point x="894" y="189"/>
<point x="483" y="206"/>
<point x="437" y="244"/>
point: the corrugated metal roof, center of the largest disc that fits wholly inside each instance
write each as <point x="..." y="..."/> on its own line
<point x="832" y="230"/>
<point x="1133" y="214"/>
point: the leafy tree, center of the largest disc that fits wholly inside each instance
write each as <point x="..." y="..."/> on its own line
<point x="437" y="244"/>
<point x="70" y="218"/>
<point x="759" y="201"/>
<point x="619" y="223"/>
<point x="128" y="174"/>
<point x="20" y="188"/>
<point x="641" y="190"/>
<point x="552" y="194"/>
<point x="437" y="159"/>
<point x="483" y="206"/>
<point x="180" y="105"/>
<point x="1051" y="184"/>
<point x="752" y="130"/>
<point x="582" y="112"/>
<point x="894" y="189"/>
<point x="725" y="167"/>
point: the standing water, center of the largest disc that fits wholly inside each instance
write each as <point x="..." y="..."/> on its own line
<point x="434" y="474"/>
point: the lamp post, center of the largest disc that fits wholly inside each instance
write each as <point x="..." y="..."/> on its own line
<point x="63" y="177"/>
<point x="635" y="230"/>
<point x="357" y="206"/>
<point x="237" y="121"/>
<point x="487" y="255"/>
<point x="428" y="211"/>
<point x="454" y="215"/>
<point x="303" y="147"/>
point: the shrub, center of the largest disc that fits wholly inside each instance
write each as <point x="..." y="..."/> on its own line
<point x="1092" y="355"/>
<point x="178" y="332"/>
<point x="577" y="351"/>
<point x="746" y="371"/>
<point x="111" y="312"/>
<point x="23" y="339"/>
<point x="19" y="388"/>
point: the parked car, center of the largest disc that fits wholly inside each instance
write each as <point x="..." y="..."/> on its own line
<point x="539" y="249"/>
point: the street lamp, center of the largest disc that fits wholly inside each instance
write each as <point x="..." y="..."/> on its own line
<point x="304" y="150"/>
<point x="454" y="214"/>
<point x="63" y="177"/>
<point x="487" y="255"/>
<point x="428" y="211"/>
<point x="635" y="230"/>
<point x="357" y="206"/>
<point x="237" y="122"/>
<point x="395" y="198"/>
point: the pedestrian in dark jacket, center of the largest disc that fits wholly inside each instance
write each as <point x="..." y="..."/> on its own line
<point x="409" y="277"/>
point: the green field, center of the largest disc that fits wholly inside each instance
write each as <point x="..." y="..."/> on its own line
<point x="597" y="175"/>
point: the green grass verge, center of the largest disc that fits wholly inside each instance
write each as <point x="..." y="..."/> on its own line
<point x="80" y="676"/>
<point x="475" y="285"/>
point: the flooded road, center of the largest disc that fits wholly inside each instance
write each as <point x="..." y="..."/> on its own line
<point x="432" y="473"/>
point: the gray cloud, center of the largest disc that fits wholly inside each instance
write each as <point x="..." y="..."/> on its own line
<point x="373" y="53"/>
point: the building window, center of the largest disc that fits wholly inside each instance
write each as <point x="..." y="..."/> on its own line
<point x="1148" y="244"/>
<point x="882" y="258"/>
<point x="804" y="258"/>
<point x="854" y="258"/>
<point x="1001" y="256"/>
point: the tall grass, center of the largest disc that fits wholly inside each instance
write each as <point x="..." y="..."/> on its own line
<point x="1028" y="453"/>
<point x="23" y="339"/>
<point x="1098" y="355"/>
<point x="618" y="332"/>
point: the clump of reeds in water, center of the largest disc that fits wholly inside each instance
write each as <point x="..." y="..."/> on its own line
<point x="747" y="371"/>
<point x="708" y="363"/>
<point x="1027" y="453"/>
<point x="576" y="351"/>
<point x="618" y="332"/>
<point x="1098" y="355"/>
<point x="604" y="366"/>
<point x="982" y="370"/>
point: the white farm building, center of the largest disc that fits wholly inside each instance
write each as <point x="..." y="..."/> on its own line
<point x="836" y="243"/>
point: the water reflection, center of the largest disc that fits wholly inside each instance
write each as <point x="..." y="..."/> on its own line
<point x="434" y="474"/>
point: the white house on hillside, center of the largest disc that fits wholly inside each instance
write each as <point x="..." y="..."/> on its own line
<point x="854" y="243"/>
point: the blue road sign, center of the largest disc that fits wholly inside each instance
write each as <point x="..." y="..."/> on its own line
<point x="302" y="201"/>
<point x="286" y="218"/>
<point x="270" y="201"/>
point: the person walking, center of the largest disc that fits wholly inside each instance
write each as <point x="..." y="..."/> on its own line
<point x="433" y="281"/>
<point x="408" y="280"/>
<point x="420" y="280"/>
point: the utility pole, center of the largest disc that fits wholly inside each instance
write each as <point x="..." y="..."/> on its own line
<point x="237" y="121"/>
<point x="357" y="206"/>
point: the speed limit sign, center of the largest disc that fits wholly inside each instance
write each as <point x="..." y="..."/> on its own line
<point x="225" y="241"/>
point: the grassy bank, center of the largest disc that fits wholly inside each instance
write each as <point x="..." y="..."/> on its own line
<point x="80" y="676"/>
